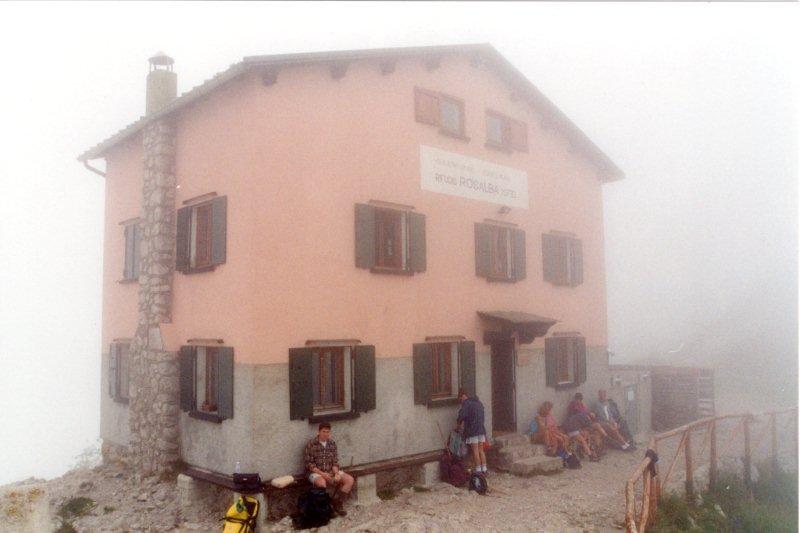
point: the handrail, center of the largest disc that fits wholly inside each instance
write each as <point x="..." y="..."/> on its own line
<point x="652" y="486"/>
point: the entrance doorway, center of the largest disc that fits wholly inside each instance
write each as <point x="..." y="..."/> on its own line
<point x="504" y="412"/>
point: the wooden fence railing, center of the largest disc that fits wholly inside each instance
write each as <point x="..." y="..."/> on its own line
<point x="639" y="515"/>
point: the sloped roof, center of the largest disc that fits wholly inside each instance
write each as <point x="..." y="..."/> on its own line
<point x="485" y="52"/>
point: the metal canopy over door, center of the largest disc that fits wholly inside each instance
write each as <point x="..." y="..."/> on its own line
<point x="504" y="414"/>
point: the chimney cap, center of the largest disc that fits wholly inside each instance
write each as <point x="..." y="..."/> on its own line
<point x="160" y="58"/>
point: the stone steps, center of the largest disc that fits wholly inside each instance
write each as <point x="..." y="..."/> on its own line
<point x="537" y="465"/>
<point x="516" y="454"/>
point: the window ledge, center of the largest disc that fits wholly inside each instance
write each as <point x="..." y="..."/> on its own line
<point x="501" y="280"/>
<point x="394" y="271"/>
<point x="208" y="268"/>
<point x="128" y="281"/>
<point x="442" y="402"/>
<point x="499" y="147"/>
<point x="332" y="417"/>
<point x="570" y="385"/>
<point x="118" y="399"/>
<point x="210" y="417"/>
<point x="454" y="134"/>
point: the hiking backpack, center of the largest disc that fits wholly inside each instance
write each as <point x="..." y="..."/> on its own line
<point x="241" y="516"/>
<point x="452" y="470"/>
<point x="477" y="482"/>
<point x="313" y="509"/>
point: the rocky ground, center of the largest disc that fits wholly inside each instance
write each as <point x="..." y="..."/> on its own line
<point x="107" y="498"/>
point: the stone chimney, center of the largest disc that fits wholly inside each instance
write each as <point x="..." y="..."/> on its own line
<point x="162" y="83"/>
<point x="154" y="403"/>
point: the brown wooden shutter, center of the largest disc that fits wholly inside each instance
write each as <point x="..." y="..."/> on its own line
<point x="301" y="390"/>
<point x="186" y="359"/>
<point x="416" y="242"/>
<point x="576" y="273"/>
<point x="518" y="133"/>
<point x="225" y="382"/>
<point x="423" y="379"/>
<point x="127" y="270"/>
<point x="466" y="365"/>
<point x="550" y="363"/>
<point x="113" y="354"/>
<point x="483" y="250"/>
<point x="364" y="378"/>
<point x="219" y="230"/>
<point x="137" y="249"/>
<point x="579" y="354"/>
<point x="519" y="253"/>
<point x="182" y="235"/>
<point x="365" y="236"/>
<point x="426" y="107"/>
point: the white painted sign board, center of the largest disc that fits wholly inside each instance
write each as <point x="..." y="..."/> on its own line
<point x="458" y="175"/>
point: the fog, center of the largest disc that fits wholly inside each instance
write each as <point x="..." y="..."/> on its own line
<point x="695" y="102"/>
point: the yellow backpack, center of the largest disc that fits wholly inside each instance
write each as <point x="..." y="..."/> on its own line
<point x="241" y="516"/>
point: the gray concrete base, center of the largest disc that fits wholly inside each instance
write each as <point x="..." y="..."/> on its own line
<point x="366" y="490"/>
<point x="196" y="498"/>
<point x="429" y="474"/>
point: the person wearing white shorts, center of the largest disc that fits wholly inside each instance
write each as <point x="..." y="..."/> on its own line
<point x="470" y="423"/>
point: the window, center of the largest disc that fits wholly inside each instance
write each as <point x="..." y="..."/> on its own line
<point x="440" y="110"/>
<point x="132" y="242"/>
<point x="206" y="382"/>
<point x="332" y="378"/>
<point x="201" y="238"/>
<point x="562" y="256"/>
<point x="444" y="368"/>
<point x="565" y="360"/>
<point x="119" y="371"/>
<point x="389" y="240"/>
<point x="331" y="382"/>
<point x="499" y="252"/>
<point x="441" y="369"/>
<point x="506" y="133"/>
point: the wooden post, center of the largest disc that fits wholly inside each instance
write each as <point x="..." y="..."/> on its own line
<point x="712" y="452"/>
<point x="748" y="482"/>
<point x="774" y="444"/>
<point x="645" y="518"/>
<point x="687" y="451"/>
<point x="655" y="494"/>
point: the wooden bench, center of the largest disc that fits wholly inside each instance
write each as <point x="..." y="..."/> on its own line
<point x="365" y="474"/>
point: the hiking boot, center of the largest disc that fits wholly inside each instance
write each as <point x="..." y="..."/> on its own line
<point x="338" y="504"/>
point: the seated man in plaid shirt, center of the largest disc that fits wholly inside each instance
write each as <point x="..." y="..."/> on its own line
<point x="322" y="464"/>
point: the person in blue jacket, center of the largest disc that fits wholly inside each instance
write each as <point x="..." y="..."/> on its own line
<point x="470" y="423"/>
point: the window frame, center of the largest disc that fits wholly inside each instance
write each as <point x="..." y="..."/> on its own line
<point x="400" y="233"/>
<point x="447" y="352"/>
<point x="221" y="359"/>
<point x="560" y="267"/>
<point x="463" y="371"/>
<point x="210" y="381"/>
<point x="507" y="143"/>
<point x="195" y="235"/>
<point x="344" y="368"/>
<point x="569" y="348"/>
<point x="498" y="234"/>
<point x="438" y="120"/>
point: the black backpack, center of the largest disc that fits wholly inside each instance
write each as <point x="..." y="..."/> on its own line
<point x="313" y="509"/>
<point x="571" y="461"/>
<point x="477" y="482"/>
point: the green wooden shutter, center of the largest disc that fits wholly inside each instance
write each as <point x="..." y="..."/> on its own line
<point x="466" y="365"/>
<point x="365" y="236"/>
<point x="560" y="260"/>
<point x="551" y="368"/>
<point x="184" y="223"/>
<point x="137" y="249"/>
<point x="113" y="354"/>
<point x="364" y="379"/>
<point x="301" y="392"/>
<point x="186" y="358"/>
<point x="576" y="273"/>
<point x="423" y="380"/>
<point x="219" y="230"/>
<point x="483" y="250"/>
<point x="225" y="382"/>
<point x="579" y="354"/>
<point x="519" y="252"/>
<point x="127" y="269"/>
<point x="548" y="257"/>
<point x="416" y="242"/>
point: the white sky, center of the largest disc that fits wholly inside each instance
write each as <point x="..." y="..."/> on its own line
<point x="695" y="102"/>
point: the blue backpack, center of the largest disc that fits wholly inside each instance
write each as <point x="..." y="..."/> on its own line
<point x="534" y="427"/>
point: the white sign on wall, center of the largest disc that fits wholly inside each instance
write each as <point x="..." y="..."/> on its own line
<point x="459" y="175"/>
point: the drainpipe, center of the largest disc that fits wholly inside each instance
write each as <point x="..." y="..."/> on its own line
<point x="96" y="171"/>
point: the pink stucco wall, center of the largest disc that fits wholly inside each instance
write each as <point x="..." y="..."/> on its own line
<point x="293" y="159"/>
